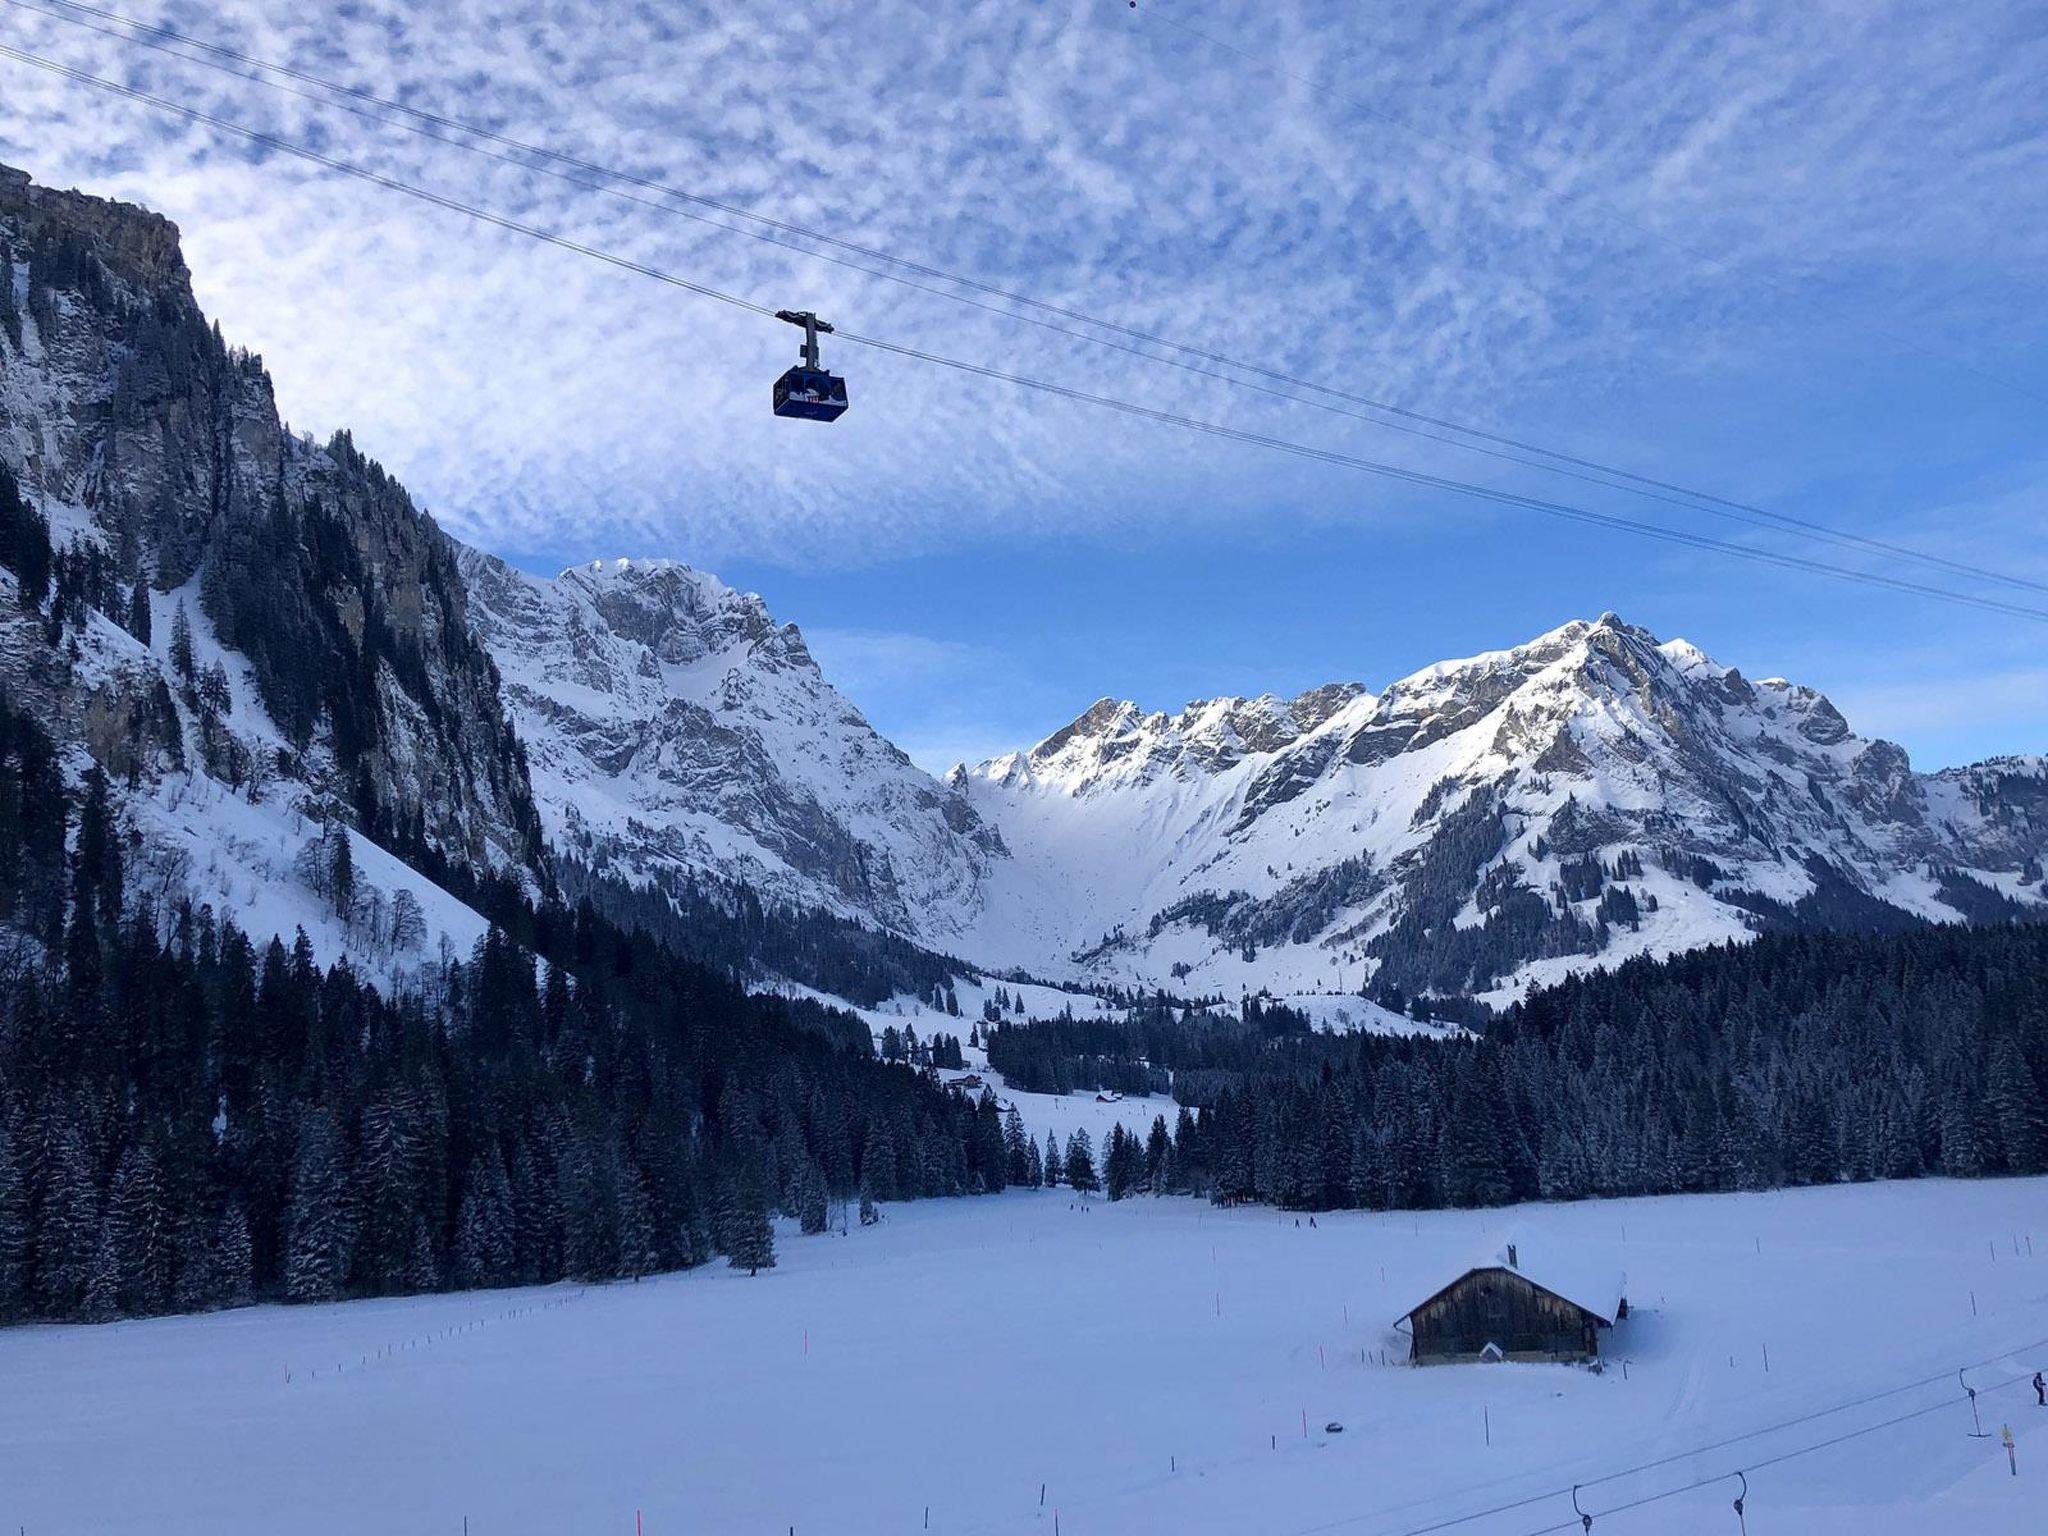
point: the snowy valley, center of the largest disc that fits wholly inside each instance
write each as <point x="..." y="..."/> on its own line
<point x="1151" y="1364"/>
<point x="498" y="1052"/>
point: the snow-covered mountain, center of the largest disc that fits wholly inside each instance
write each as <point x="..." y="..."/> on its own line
<point x="268" y="647"/>
<point x="673" y="728"/>
<point x="261" y="640"/>
<point x="1592" y="794"/>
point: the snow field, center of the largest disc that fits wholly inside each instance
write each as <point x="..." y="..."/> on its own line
<point x="1151" y="1363"/>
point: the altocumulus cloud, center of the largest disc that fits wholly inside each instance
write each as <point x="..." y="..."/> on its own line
<point x="1715" y="173"/>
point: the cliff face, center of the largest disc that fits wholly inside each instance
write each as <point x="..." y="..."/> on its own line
<point x="158" y="457"/>
<point x="677" y="731"/>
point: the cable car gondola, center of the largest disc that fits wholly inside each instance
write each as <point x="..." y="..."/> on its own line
<point x="807" y="390"/>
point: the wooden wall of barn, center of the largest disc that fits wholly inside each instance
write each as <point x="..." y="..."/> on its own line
<point x="1499" y="1306"/>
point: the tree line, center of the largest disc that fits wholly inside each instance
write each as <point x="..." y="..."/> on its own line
<point x="190" y="1118"/>
<point x="1795" y="1059"/>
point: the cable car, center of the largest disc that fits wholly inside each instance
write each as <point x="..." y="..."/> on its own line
<point x="807" y="390"/>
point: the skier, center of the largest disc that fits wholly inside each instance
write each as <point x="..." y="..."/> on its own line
<point x="2040" y="1391"/>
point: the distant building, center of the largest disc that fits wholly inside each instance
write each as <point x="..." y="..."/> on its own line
<point x="1506" y="1309"/>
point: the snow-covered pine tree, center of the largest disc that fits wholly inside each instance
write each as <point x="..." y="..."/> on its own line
<point x="13" y="1231"/>
<point x="319" y="1231"/>
<point x="484" y="1226"/>
<point x="811" y="1204"/>
<point x="102" y="1299"/>
<point x="143" y="1228"/>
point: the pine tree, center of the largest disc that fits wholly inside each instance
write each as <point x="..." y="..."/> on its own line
<point x="1158" y="1146"/>
<point x="182" y="659"/>
<point x="2020" y="1125"/>
<point x="143" y="1234"/>
<point x="1017" y="1149"/>
<point x="751" y="1240"/>
<point x="1054" y="1161"/>
<point x="13" y="1232"/>
<point x="102" y="1299"/>
<point x="483" y="1227"/>
<point x="233" y="1262"/>
<point x="810" y="1199"/>
<point x="869" y="1215"/>
<point x="341" y="873"/>
<point x="1080" y="1164"/>
<point x="69" y="1238"/>
<point x="316" y="1222"/>
<point x="138" y="612"/>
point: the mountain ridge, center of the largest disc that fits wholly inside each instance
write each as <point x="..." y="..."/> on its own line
<point x="1479" y="826"/>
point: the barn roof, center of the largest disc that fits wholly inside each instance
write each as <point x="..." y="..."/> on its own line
<point x="1587" y="1280"/>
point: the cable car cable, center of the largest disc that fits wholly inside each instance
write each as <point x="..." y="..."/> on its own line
<point x="1571" y="466"/>
<point x="1132" y="408"/>
<point x="1460" y="487"/>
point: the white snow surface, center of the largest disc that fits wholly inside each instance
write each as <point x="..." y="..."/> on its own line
<point x="1151" y="1363"/>
<point x="1595" y="739"/>
<point x="672" y="726"/>
<point x="245" y="850"/>
<point x="1240" y="845"/>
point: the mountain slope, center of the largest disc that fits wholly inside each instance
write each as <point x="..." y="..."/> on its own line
<point x="237" y="615"/>
<point x="675" y="730"/>
<point x="275" y="652"/>
<point x="1482" y="824"/>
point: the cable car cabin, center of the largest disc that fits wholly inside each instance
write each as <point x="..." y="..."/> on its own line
<point x="810" y="393"/>
<point x="1500" y="1310"/>
<point x="807" y="390"/>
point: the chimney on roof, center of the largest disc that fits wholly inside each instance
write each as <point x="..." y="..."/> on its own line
<point x="1513" y="1262"/>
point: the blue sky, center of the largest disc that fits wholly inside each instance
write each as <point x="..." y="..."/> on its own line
<point x="1797" y="256"/>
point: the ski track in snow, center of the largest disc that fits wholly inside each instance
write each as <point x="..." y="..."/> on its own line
<point x="1150" y="1362"/>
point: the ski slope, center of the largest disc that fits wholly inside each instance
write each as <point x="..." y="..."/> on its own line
<point x="1151" y="1363"/>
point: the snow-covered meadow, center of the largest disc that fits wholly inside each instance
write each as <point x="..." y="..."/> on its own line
<point x="1152" y="1364"/>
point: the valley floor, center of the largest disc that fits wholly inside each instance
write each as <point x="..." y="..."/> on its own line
<point x="1151" y="1364"/>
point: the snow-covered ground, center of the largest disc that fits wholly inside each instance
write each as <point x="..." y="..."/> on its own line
<point x="1151" y="1363"/>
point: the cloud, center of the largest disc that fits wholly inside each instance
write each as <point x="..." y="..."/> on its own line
<point x="1575" y="201"/>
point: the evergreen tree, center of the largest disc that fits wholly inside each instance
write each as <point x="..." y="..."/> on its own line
<point x="138" y="612"/>
<point x="484" y="1227"/>
<point x="101" y="1302"/>
<point x="182" y="660"/>
<point x="316" y="1223"/>
<point x="869" y="1215"/>
<point x="1080" y="1163"/>
<point x="811" y="1202"/>
<point x="143" y="1232"/>
<point x="14" y="1298"/>
<point x="751" y="1240"/>
<point x="68" y="1240"/>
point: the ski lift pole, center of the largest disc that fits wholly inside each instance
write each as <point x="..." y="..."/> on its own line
<point x="1742" y="1498"/>
<point x="1585" y="1520"/>
<point x="1977" y="1431"/>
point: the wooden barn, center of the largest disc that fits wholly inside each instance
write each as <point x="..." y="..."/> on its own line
<point x="1505" y="1309"/>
